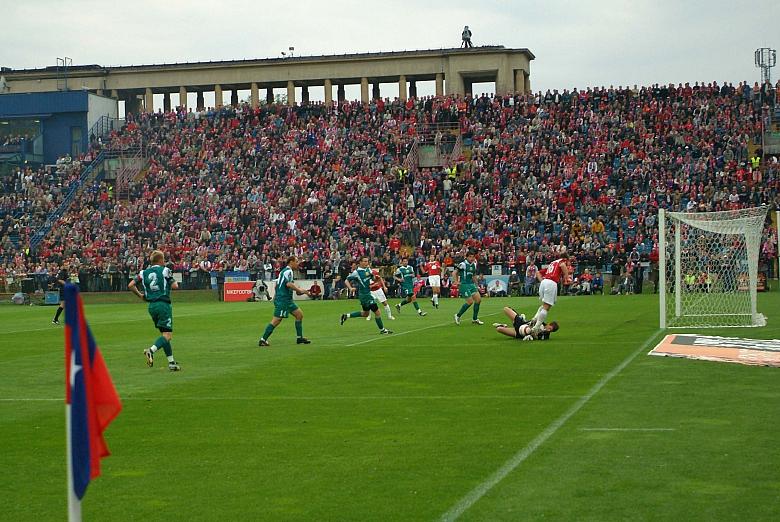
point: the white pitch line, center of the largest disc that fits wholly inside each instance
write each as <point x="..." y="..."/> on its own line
<point x="628" y="429"/>
<point x="326" y="398"/>
<point x="409" y="331"/>
<point x="510" y="465"/>
<point x="137" y="319"/>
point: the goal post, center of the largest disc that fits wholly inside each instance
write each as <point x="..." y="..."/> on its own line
<point x="708" y="268"/>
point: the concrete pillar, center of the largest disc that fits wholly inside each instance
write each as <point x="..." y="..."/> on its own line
<point x="200" y="103"/>
<point x="439" y="84"/>
<point x="454" y="84"/>
<point x="148" y="100"/>
<point x="115" y="94"/>
<point x="364" y="90"/>
<point x="255" y="96"/>
<point x="375" y="94"/>
<point x="234" y="98"/>
<point x="413" y="89"/>
<point x="183" y="97"/>
<point x="328" y="93"/>
<point x="340" y="94"/>
<point x="290" y="93"/>
<point x="527" y="82"/>
<point x="402" y="87"/>
<point x="269" y="95"/>
<point x="167" y="102"/>
<point x="217" y="96"/>
<point x="305" y="94"/>
<point x="468" y="87"/>
<point x="504" y="79"/>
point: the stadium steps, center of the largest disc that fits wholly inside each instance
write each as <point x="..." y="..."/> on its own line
<point x="88" y="175"/>
<point x="135" y="166"/>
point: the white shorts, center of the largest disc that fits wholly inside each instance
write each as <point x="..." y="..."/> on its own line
<point x="434" y="280"/>
<point x="379" y="296"/>
<point x="548" y="291"/>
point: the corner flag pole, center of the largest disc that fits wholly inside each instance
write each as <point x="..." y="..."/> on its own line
<point x="74" y="504"/>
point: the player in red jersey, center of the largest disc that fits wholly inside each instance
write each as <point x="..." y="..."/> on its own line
<point x="433" y="269"/>
<point x="548" y="288"/>
<point x="378" y="289"/>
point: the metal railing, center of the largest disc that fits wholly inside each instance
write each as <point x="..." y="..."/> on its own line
<point x="86" y="174"/>
<point x="104" y="126"/>
<point x="411" y="162"/>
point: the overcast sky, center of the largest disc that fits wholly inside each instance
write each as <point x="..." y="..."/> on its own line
<point x="577" y="43"/>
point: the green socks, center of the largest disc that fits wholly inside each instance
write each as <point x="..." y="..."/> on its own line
<point x="163" y="343"/>
<point x="355" y="314"/>
<point x="476" y="311"/>
<point x="268" y="331"/>
<point x="463" y="309"/>
<point x="299" y="328"/>
<point x="379" y="323"/>
<point x="416" y="306"/>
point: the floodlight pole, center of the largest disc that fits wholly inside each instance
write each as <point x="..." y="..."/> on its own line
<point x="765" y="59"/>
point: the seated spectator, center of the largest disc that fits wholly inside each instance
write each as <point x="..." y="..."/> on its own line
<point x="496" y="289"/>
<point x="482" y="285"/>
<point x="259" y="292"/>
<point x="597" y="285"/>
<point x="446" y="285"/>
<point x="586" y="282"/>
<point x="315" y="291"/>
<point x="515" y="287"/>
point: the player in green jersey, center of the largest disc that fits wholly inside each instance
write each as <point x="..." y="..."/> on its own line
<point x="466" y="279"/>
<point x="157" y="282"/>
<point x="284" y="305"/>
<point x="405" y="276"/>
<point x="362" y="279"/>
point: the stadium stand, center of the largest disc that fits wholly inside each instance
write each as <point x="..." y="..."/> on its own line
<point x="239" y="188"/>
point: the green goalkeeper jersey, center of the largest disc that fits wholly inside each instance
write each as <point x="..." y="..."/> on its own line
<point x="156" y="282"/>
<point x="406" y="273"/>
<point x="361" y="278"/>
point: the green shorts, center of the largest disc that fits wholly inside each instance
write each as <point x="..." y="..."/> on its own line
<point x="283" y="310"/>
<point x="466" y="291"/>
<point x="369" y="305"/>
<point x="407" y="292"/>
<point x="162" y="315"/>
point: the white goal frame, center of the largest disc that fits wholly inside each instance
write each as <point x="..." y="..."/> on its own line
<point x="746" y="227"/>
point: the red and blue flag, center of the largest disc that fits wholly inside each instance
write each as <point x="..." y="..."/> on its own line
<point x="90" y="393"/>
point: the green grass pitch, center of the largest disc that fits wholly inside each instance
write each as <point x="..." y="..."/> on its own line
<point x="358" y="426"/>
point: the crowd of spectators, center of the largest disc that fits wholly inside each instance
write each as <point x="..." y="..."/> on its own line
<point x="238" y="188"/>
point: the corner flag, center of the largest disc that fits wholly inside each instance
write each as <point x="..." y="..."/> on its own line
<point x="90" y="398"/>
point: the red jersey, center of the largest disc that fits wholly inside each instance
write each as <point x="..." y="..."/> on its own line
<point x="554" y="270"/>
<point x="433" y="268"/>
<point x="376" y="282"/>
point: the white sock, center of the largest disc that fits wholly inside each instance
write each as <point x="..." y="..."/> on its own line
<point x="388" y="311"/>
<point x="171" y="359"/>
<point x="368" y="317"/>
<point x="436" y="298"/>
<point x="541" y="316"/>
<point x="153" y="349"/>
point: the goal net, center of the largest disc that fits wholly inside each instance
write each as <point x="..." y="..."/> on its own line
<point x="708" y="269"/>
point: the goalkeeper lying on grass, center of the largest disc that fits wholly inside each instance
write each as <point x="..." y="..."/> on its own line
<point x="525" y="330"/>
